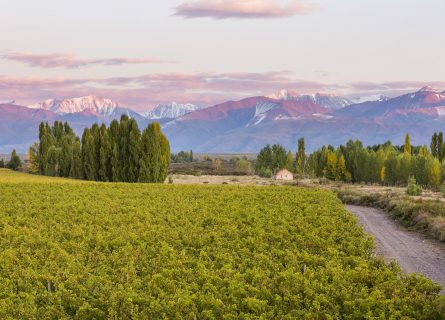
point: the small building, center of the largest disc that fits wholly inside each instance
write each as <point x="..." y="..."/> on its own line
<point x="284" y="174"/>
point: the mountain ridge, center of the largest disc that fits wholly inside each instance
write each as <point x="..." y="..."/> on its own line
<point x="247" y="124"/>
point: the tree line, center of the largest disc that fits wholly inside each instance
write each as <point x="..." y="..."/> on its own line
<point x="118" y="153"/>
<point x="353" y="162"/>
<point x="14" y="163"/>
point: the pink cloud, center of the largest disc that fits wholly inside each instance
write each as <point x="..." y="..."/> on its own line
<point x="70" y="61"/>
<point x="242" y="9"/>
<point x="205" y="89"/>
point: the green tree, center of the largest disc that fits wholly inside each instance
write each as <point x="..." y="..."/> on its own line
<point x="33" y="165"/>
<point x="264" y="159"/>
<point x="14" y="163"/>
<point x="123" y="148"/>
<point x="88" y="156"/>
<point x="331" y="166"/>
<point x="342" y="172"/>
<point x="433" y="171"/>
<point x="105" y="154"/>
<point x="53" y="162"/>
<point x="155" y="151"/>
<point x="301" y="158"/>
<point x="289" y="162"/>
<point x="134" y="151"/>
<point x="440" y="146"/>
<point x="407" y="146"/>
<point x="76" y="161"/>
<point x="2" y="163"/>
<point x="279" y="158"/>
<point x="434" y="145"/>
<point x="66" y="155"/>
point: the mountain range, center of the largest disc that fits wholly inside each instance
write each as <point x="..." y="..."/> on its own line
<point x="246" y="125"/>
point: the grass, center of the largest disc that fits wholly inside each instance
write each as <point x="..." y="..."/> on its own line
<point x="426" y="215"/>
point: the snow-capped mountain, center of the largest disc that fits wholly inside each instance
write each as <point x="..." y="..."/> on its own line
<point x="328" y="101"/>
<point x="170" y="111"/>
<point x="248" y="124"/>
<point x="104" y="107"/>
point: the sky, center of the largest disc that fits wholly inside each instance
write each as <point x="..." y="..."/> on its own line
<point x="144" y="52"/>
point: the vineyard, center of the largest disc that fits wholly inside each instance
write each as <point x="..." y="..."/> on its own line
<point x="90" y="250"/>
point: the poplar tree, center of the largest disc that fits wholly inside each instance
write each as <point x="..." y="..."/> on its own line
<point x="440" y="146"/>
<point x="88" y="156"/>
<point x="165" y="157"/>
<point x="407" y="147"/>
<point x="342" y="174"/>
<point x="151" y="155"/>
<point x="76" y="161"/>
<point x="434" y="146"/>
<point x="123" y="148"/>
<point x="105" y="153"/>
<point x="33" y="166"/>
<point x="301" y="158"/>
<point x="331" y="166"/>
<point x="134" y="151"/>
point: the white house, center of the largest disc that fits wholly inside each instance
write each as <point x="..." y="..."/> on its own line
<point x="284" y="174"/>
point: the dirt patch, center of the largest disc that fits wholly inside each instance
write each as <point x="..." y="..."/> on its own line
<point x="413" y="251"/>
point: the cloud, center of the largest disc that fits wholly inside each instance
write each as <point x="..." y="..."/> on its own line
<point x="206" y="89"/>
<point x="389" y="89"/>
<point x="242" y="9"/>
<point x="70" y="61"/>
<point x="145" y="91"/>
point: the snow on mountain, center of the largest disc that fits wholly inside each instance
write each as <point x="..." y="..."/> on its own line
<point x="371" y="98"/>
<point x="261" y="110"/>
<point x="104" y="107"/>
<point x="327" y="101"/>
<point x="170" y="111"/>
<point x="431" y="89"/>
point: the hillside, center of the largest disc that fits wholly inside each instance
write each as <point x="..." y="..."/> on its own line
<point x="245" y="126"/>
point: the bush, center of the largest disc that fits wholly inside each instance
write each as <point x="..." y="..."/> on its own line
<point x="170" y="179"/>
<point x="413" y="188"/>
<point x="265" y="173"/>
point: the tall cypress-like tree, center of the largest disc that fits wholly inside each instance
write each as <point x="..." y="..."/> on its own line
<point x="114" y="135"/>
<point x="134" y="151"/>
<point x="88" y="156"/>
<point x="440" y="146"/>
<point x="95" y="133"/>
<point x="434" y="146"/>
<point x="52" y="164"/>
<point x="66" y="155"/>
<point x="301" y="158"/>
<point x="151" y="153"/>
<point x="165" y="156"/>
<point x="105" y="153"/>
<point x="407" y="146"/>
<point x="33" y="166"/>
<point x="123" y="148"/>
<point x="76" y="161"/>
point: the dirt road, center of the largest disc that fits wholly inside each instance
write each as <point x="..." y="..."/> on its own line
<point x="413" y="251"/>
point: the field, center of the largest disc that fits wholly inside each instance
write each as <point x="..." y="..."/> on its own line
<point x="85" y="250"/>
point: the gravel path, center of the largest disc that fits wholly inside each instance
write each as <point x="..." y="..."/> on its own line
<point x="413" y="251"/>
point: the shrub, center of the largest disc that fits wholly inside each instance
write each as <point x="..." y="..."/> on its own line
<point x="265" y="173"/>
<point x="413" y="188"/>
<point x="170" y="179"/>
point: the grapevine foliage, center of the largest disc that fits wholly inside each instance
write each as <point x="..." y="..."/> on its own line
<point x="88" y="250"/>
